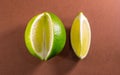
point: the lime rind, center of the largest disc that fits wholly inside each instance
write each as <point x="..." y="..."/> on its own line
<point x="59" y="36"/>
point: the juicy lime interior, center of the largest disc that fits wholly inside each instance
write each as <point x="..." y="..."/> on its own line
<point x="80" y="36"/>
<point x="42" y="35"/>
<point x="85" y="36"/>
<point x="76" y="36"/>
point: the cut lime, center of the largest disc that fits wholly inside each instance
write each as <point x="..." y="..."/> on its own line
<point x="80" y="36"/>
<point x="45" y="36"/>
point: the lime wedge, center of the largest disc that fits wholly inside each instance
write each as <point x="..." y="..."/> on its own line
<point x="45" y="35"/>
<point x="80" y="35"/>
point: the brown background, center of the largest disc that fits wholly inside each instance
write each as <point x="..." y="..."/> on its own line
<point x="104" y="55"/>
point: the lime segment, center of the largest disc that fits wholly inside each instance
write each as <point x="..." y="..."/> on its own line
<point x="41" y="35"/>
<point x="80" y="36"/>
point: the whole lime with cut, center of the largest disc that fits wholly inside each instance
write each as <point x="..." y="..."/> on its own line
<point x="45" y="35"/>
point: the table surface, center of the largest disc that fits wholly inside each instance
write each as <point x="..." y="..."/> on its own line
<point x="104" y="54"/>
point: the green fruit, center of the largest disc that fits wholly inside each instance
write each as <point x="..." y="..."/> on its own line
<point x="45" y="36"/>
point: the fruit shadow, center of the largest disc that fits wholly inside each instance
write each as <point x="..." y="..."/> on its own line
<point x="67" y="60"/>
<point x="61" y="64"/>
<point x="14" y="57"/>
<point x="68" y="52"/>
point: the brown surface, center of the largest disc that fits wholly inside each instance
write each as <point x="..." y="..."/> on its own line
<point x="104" y="55"/>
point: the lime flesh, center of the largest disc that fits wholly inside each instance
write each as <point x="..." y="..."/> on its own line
<point x="80" y="36"/>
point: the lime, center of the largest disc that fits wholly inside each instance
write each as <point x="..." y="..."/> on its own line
<point x="45" y="35"/>
<point x="80" y="36"/>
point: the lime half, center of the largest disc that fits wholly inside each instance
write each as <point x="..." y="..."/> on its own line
<point x="45" y="35"/>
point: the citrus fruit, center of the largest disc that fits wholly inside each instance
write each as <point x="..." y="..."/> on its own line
<point x="45" y="35"/>
<point x="80" y="36"/>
